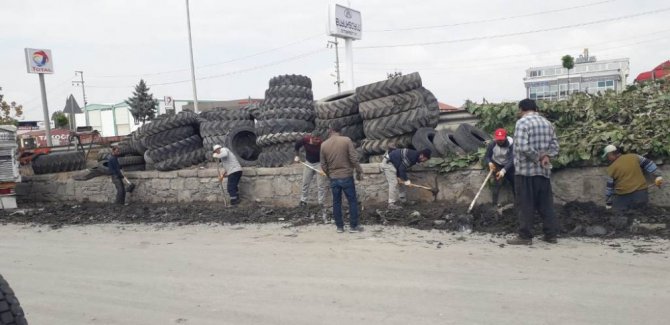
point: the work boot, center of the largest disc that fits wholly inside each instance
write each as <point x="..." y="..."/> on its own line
<point x="235" y="201"/>
<point x="356" y="229"/>
<point x="519" y="241"/>
<point x="340" y="230"/>
<point x="550" y="239"/>
<point x="303" y="204"/>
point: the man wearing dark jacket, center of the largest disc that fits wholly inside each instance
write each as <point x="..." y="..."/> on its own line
<point x="500" y="159"/>
<point x="117" y="176"/>
<point x="395" y="166"/>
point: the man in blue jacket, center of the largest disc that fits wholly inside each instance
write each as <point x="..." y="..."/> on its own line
<point x="395" y="165"/>
<point x="117" y="176"/>
<point x="500" y="159"/>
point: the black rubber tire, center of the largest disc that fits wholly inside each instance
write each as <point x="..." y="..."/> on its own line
<point x="390" y="105"/>
<point x="242" y="142"/>
<point x="363" y="157"/>
<point x="136" y="143"/>
<point x="276" y="157"/>
<point x="134" y="168"/>
<point x="470" y="138"/>
<point x="290" y="113"/>
<point x="278" y="138"/>
<point x="209" y="142"/>
<point x="222" y="127"/>
<point x="446" y="145"/>
<point x="338" y="105"/>
<point x="11" y="312"/>
<point x="340" y="121"/>
<point x="166" y="137"/>
<point x="184" y="118"/>
<point x="423" y="139"/>
<point x="125" y="149"/>
<point x="225" y="114"/>
<point x="291" y="79"/>
<point x="175" y="149"/>
<point x="388" y="87"/>
<point x="147" y="159"/>
<point x="286" y="102"/>
<point x="264" y="127"/>
<point x="354" y="132"/>
<point x="378" y="147"/>
<point x="395" y="125"/>
<point x="58" y="162"/>
<point x="289" y="91"/>
<point x="131" y="160"/>
<point x="433" y="106"/>
<point x="182" y="160"/>
<point x="253" y="109"/>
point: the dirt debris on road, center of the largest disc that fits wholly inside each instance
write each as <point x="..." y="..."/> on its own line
<point x="576" y="218"/>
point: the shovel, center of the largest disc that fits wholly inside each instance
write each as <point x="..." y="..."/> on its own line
<point x="314" y="169"/>
<point x="480" y="191"/>
<point x="223" y="191"/>
<point x="434" y="191"/>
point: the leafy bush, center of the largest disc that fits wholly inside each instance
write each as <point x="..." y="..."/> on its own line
<point x="636" y="120"/>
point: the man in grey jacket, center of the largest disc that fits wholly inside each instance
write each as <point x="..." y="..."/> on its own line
<point x="232" y="169"/>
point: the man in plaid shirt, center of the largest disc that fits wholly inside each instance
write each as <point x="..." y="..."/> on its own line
<point x="535" y="144"/>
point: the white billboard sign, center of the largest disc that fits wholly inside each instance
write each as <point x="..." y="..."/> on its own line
<point x="169" y="102"/>
<point x="39" y="61"/>
<point x="345" y="22"/>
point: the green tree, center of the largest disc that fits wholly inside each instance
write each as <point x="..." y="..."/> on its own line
<point x="60" y="120"/>
<point x="6" y="109"/>
<point x="568" y="63"/>
<point x="142" y="104"/>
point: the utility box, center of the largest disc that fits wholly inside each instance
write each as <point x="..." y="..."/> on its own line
<point x="9" y="167"/>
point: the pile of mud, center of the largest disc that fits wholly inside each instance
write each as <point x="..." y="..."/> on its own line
<point x="576" y="219"/>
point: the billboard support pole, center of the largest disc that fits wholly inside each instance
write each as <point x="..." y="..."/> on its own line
<point x="190" y="51"/>
<point x="45" y="108"/>
<point x="348" y="48"/>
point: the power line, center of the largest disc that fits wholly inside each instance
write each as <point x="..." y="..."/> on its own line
<point x="479" y="38"/>
<point x="214" y="64"/>
<point x="491" y="58"/>
<point x="490" y="20"/>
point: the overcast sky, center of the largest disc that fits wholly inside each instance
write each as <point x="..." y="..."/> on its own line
<point x="117" y="42"/>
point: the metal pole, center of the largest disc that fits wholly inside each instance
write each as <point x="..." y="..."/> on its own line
<point x="83" y="93"/>
<point x="190" y="50"/>
<point x="348" y="47"/>
<point x="337" y="65"/>
<point x="45" y="108"/>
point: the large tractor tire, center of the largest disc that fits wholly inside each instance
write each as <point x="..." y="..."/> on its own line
<point x="446" y="145"/>
<point x="291" y="80"/>
<point x="338" y="105"/>
<point x="242" y="142"/>
<point x="392" y="104"/>
<point x="58" y="162"/>
<point x="470" y="138"/>
<point x="11" y="312"/>
<point x="388" y="87"/>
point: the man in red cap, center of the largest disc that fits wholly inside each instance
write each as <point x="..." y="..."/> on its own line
<point x="500" y="159"/>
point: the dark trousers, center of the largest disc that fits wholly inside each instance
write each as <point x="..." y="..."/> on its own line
<point x="346" y="185"/>
<point x="533" y="193"/>
<point x="635" y="200"/>
<point x="120" y="190"/>
<point x="498" y="184"/>
<point x="233" y="185"/>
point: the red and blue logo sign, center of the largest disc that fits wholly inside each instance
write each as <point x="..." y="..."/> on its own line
<point x="40" y="58"/>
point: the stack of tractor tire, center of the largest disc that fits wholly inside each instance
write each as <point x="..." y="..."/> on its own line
<point x="233" y="129"/>
<point x="287" y="114"/>
<point x="173" y="142"/>
<point x="465" y="139"/>
<point x="393" y="110"/>
<point x="58" y="162"/>
<point x="130" y="159"/>
<point x="340" y="110"/>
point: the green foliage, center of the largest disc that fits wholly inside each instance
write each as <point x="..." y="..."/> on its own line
<point x="60" y="120"/>
<point x="637" y="120"/>
<point x="142" y="104"/>
<point x="455" y="162"/>
<point x="6" y="109"/>
<point x="568" y="62"/>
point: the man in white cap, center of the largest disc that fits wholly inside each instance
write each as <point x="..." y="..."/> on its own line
<point x="626" y="182"/>
<point x="232" y="169"/>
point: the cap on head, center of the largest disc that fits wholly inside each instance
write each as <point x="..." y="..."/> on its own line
<point x="609" y="149"/>
<point x="500" y="135"/>
<point x="216" y="147"/>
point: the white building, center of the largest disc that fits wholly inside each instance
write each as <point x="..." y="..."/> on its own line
<point x="589" y="75"/>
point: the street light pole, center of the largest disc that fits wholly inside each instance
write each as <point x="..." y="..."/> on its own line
<point x="83" y="92"/>
<point x="190" y="50"/>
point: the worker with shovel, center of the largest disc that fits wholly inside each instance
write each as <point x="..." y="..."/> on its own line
<point x="500" y="159"/>
<point x="230" y="168"/>
<point x="626" y="183"/>
<point x="395" y="164"/>
<point x="535" y="144"/>
<point x="312" y="144"/>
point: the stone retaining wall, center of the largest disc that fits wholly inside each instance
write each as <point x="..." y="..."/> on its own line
<point x="281" y="186"/>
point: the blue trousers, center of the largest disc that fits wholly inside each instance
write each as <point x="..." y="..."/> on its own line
<point x="233" y="185"/>
<point x="346" y="185"/>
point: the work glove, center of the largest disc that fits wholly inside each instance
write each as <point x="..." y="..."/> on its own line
<point x="492" y="167"/>
<point x="296" y="159"/>
<point x="659" y="181"/>
<point x="407" y="182"/>
<point x="608" y="206"/>
<point x="501" y="174"/>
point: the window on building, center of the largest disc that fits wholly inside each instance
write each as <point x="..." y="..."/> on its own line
<point x="601" y="84"/>
<point x="609" y="83"/>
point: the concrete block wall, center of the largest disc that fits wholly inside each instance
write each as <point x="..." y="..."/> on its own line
<point x="281" y="186"/>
